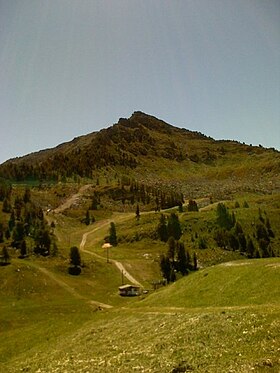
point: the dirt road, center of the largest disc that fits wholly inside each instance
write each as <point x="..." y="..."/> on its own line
<point x="119" y="265"/>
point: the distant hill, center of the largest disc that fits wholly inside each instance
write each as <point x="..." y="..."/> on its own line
<point x="153" y="152"/>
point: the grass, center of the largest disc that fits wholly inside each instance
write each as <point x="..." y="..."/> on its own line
<point x="238" y="283"/>
<point x="223" y="318"/>
<point x="201" y="340"/>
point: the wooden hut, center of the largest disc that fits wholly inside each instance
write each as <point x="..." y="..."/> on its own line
<point x="129" y="290"/>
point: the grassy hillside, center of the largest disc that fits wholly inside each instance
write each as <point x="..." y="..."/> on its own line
<point x="238" y="283"/>
<point x="166" y="333"/>
<point x="222" y="318"/>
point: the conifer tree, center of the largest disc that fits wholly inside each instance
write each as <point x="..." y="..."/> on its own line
<point x="224" y="219"/>
<point x="171" y="249"/>
<point x="75" y="257"/>
<point x="137" y="212"/>
<point x="87" y="218"/>
<point x="174" y="227"/>
<point x="113" y="234"/>
<point x="165" y="267"/>
<point x="162" y="229"/>
<point x="250" y="249"/>
<point x="182" y="260"/>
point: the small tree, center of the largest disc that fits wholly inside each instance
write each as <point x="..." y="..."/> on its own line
<point x="87" y="218"/>
<point x="171" y="248"/>
<point x="194" y="262"/>
<point x="165" y="267"/>
<point x="75" y="261"/>
<point x="137" y="212"/>
<point x="174" y="227"/>
<point x="75" y="257"/>
<point x="162" y="229"/>
<point x="250" y="248"/>
<point x="23" y="249"/>
<point x="224" y="219"/>
<point x="5" y="256"/>
<point x="182" y="259"/>
<point x="192" y="206"/>
<point x="113" y="235"/>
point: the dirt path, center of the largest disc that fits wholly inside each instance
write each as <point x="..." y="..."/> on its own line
<point x="71" y="200"/>
<point x="65" y="286"/>
<point x="119" y="265"/>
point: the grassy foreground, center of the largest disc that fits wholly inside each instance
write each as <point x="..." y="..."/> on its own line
<point x="185" y="327"/>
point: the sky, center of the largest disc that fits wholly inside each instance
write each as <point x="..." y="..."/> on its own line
<point x="71" y="67"/>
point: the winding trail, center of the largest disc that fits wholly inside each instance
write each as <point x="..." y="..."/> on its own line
<point x="119" y="265"/>
<point x="71" y="200"/>
<point x="63" y="284"/>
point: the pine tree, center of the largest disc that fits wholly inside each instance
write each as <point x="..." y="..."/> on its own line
<point x="162" y="229"/>
<point x="113" y="234"/>
<point x="171" y="249"/>
<point x="174" y="227"/>
<point x="23" y="249"/>
<point x="224" y="219"/>
<point x="195" y="262"/>
<point x="182" y="260"/>
<point x="165" y="267"/>
<point x="75" y="257"/>
<point x="137" y="212"/>
<point x="5" y="255"/>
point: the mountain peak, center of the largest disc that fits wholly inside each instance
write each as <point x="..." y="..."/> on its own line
<point x="140" y="119"/>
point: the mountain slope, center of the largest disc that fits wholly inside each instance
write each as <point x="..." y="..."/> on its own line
<point x="154" y="152"/>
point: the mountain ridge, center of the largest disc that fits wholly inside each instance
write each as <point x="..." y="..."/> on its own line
<point x="152" y="151"/>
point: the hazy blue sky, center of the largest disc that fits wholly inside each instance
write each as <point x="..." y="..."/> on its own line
<point x="71" y="67"/>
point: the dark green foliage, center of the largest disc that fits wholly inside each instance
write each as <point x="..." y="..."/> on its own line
<point x="18" y="233"/>
<point x="137" y="212"/>
<point x="172" y="275"/>
<point x="195" y="267"/>
<point x="5" y="256"/>
<point x="113" y="235"/>
<point x="7" y="234"/>
<point x="12" y="221"/>
<point x="87" y="218"/>
<point x="75" y="257"/>
<point x="237" y="205"/>
<point x="95" y="201"/>
<point x="42" y="241"/>
<point x="224" y="218"/>
<point x="192" y="206"/>
<point x="182" y="259"/>
<point x="162" y="229"/>
<point x="250" y="249"/>
<point x="233" y="241"/>
<point x="165" y="267"/>
<point x="245" y="205"/>
<point x="240" y="237"/>
<point x="23" y="249"/>
<point x="171" y="248"/>
<point x="202" y="243"/>
<point x="54" y="249"/>
<point x="6" y="205"/>
<point x="5" y="190"/>
<point x="221" y="236"/>
<point x="74" y="271"/>
<point x="1" y="233"/>
<point x="173" y="226"/>
<point x="27" y="195"/>
<point x="262" y="233"/>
